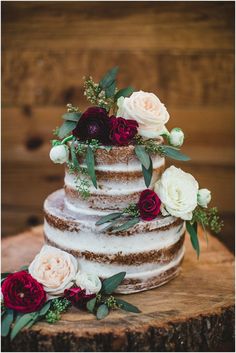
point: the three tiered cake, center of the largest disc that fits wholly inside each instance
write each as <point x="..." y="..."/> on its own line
<point x="115" y="155"/>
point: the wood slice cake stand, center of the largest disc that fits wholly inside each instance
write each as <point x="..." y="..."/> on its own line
<point x="194" y="312"/>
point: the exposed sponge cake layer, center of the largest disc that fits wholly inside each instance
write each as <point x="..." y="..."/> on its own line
<point x="150" y="253"/>
<point x="121" y="155"/>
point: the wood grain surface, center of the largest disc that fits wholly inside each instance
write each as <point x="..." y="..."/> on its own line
<point x="182" y="51"/>
<point x="194" y="312"/>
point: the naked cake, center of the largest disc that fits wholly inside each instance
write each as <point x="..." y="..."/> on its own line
<point x="119" y="210"/>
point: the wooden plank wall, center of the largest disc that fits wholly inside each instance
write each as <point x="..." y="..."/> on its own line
<point x="182" y="51"/>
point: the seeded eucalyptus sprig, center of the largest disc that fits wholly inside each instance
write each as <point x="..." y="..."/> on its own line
<point x="105" y="301"/>
<point x="86" y="151"/>
<point x="58" y="306"/>
<point x="207" y="218"/>
<point x="105" y="93"/>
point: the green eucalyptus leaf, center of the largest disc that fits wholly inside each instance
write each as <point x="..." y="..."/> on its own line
<point x="66" y="128"/>
<point x="192" y="230"/>
<point x="73" y="156"/>
<point x="109" y="78"/>
<point x="111" y="283"/>
<point x="143" y="156"/>
<point x="111" y="225"/>
<point x="18" y="316"/>
<point x="174" y="153"/>
<point x="3" y="311"/>
<point x="110" y="91"/>
<point x="31" y="323"/>
<point x="74" y="116"/>
<point x="91" y="304"/>
<point x="108" y="218"/>
<point x="147" y="173"/>
<point x="22" y="322"/>
<point x="91" y="165"/>
<point x="127" y="306"/>
<point x="124" y="92"/>
<point x="102" y="311"/>
<point x="7" y="321"/>
<point x="128" y="224"/>
<point x="45" y="308"/>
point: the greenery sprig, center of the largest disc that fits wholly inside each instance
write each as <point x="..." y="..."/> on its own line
<point x="105" y="93"/>
<point x="57" y="307"/>
<point x="207" y="218"/>
<point x="105" y="301"/>
<point x="145" y="148"/>
<point x="120" y="221"/>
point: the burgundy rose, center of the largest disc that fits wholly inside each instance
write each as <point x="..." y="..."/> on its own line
<point x="78" y="297"/>
<point x="122" y="131"/>
<point x="93" y="124"/>
<point x="149" y="205"/>
<point x="21" y="292"/>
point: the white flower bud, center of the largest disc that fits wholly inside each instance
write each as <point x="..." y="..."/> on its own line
<point x="88" y="281"/>
<point x="176" y="137"/>
<point x="59" y="154"/>
<point x="203" y="197"/>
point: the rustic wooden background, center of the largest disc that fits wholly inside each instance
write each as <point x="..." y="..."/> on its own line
<point x="182" y="51"/>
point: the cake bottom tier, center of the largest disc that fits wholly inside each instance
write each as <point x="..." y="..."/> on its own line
<point x="150" y="253"/>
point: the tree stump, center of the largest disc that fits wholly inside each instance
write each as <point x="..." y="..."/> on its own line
<point x="194" y="312"/>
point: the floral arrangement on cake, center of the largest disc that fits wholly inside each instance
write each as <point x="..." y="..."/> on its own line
<point x="124" y="117"/>
<point x="118" y="117"/>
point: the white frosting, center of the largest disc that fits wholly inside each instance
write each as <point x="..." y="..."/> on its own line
<point x="131" y="166"/>
<point x="142" y="272"/>
<point x="110" y="187"/>
<point x="90" y="240"/>
<point x="82" y="208"/>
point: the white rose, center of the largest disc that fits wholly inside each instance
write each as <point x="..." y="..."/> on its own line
<point x="177" y="191"/>
<point x="203" y="197"/>
<point x="59" y="154"/>
<point x="55" y="269"/>
<point x="88" y="281"/>
<point x="147" y="110"/>
<point x="176" y="137"/>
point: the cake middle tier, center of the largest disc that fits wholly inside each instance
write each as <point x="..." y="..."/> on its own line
<point x="119" y="177"/>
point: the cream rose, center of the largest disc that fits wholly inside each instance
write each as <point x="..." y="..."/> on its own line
<point x="55" y="269"/>
<point x="88" y="281"/>
<point x="203" y="197"/>
<point x="177" y="191"/>
<point x="147" y="110"/>
<point x="59" y="154"/>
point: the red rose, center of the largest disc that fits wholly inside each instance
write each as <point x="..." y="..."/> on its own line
<point x="122" y="131"/>
<point x="78" y="297"/>
<point x="149" y="205"/>
<point x="21" y="292"/>
<point x="93" y="124"/>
